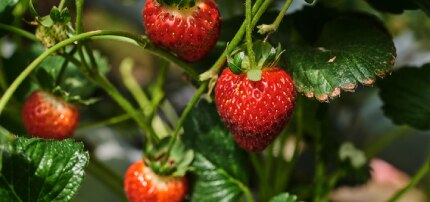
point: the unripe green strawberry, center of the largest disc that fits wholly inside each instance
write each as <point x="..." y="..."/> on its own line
<point x="189" y="31"/>
<point x="47" y="116"/>
<point x="49" y="36"/>
<point x="142" y="184"/>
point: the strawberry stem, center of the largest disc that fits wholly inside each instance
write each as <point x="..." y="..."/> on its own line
<point x="263" y="29"/>
<point x="126" y="70"/>
<point x="254" y="74"/>
<point x="259" y="8"/>
<point x="113" y="35"/>
<point x="79" y="11"/>
<point x="19" y="31"/>
<point x="181" y="121"/>
<point x="425" y="168"/>
<point x="147" y="106"/>
<point x="249" y="27"/>
<point x="63" y="69"/>
<point x="61" y="5"/>
<point x="116" y="95"/>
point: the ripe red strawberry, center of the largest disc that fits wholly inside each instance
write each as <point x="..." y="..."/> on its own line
<point x="47" y="116"/>
<point x="190" y="31"/>
<point x="142" y="184"/>
<point x="255" y="111"/>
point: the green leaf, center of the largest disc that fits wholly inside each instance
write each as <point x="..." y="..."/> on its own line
<point x="74" y="82"/>
<point x="62" y="16"/>
<point x="42" y="170"/>
<point x="46" y="21"/>
<point x="219" y="164"/>
<point x="55" y="14"/>
<point x="350" y="49"/>
<point x="398" y="6"/>
<point x="406" y="97"/>
<point x="5" y="5"/>
<point x="284" y="197"/>
<point x="6" y="8"/>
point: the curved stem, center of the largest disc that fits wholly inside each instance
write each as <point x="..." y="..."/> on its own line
<point x="247" y="193"/>
<point x="19" y="31"/>
<point x="248" y="22"/>
<point x="62" y="3"/>
<point x="157" y="93"/>
<point x="126" y="68"/>
<point x="181" y="121"/>
<point x="143" y="41"/>
<point x="263" y="29"/>
<point x="63" y="68"/>
<point x="109" y="121"/>
<point x="425" y="168"/>
<point x="116" y="95"/>
<point x="259" y="7"/>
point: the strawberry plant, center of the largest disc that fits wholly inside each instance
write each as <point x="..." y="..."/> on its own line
<point x="204" y="100"/>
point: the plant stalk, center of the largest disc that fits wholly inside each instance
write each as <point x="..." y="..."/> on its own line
<point x="425" y="168"/>
<point x="249" y="28"/>
<point x="263" y="29"/>
<point x="19" y="31"/>
<point x="62" y="3"/>
<point x="259" y="8"/>
<point x="181" y="121"/>
<point x="34" y="64"/>
<point x="116" y="95"/>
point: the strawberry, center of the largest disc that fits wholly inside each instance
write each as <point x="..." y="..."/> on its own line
<point x="141" y="183"/>
<point x="255" y="105"/>
<point x="189" y="30"/>
<point x="47" y="116"/>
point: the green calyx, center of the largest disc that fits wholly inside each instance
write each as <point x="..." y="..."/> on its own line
<point x="181" y="4"/>
<point x="266" y="56"/>
<point x="178" y="162"/>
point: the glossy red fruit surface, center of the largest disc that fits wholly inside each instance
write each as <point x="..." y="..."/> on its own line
<point x="47" y="116"/>
<point x="255" y="111"/>
<point x="141" y="184"/>
<point x="191" y="33"/>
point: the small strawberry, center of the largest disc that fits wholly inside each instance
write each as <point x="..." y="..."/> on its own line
<point x="141" y="183"/>
<point x="255" y="105"/>
<point x="49" y="36"/>
<point x="188" y="28"/>
<point x="47" y="116"/>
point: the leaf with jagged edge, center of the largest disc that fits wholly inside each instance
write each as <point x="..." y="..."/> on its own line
<point x="350" y="49"/>
<point x="406" y="97"/>
<point x="219" y="165"/>
<point x="41" y="170"/>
